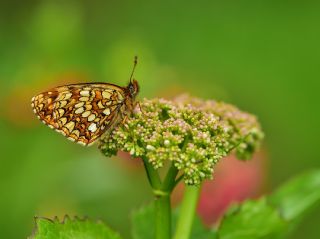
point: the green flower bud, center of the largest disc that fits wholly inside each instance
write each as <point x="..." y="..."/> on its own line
<point x="192" y="133"/>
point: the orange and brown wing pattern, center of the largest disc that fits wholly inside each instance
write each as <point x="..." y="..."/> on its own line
<point x="81" y="112"/>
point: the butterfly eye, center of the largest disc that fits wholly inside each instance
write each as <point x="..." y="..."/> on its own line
<point x="133" y="88"/>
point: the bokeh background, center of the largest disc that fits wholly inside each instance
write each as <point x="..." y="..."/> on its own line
<point x="262" y="56"/>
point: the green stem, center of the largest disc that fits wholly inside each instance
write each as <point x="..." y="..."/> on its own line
<point x="162" y="205"/>
<point x="162" y="192"/>
<point x="169" y="181"/>
<point x="187" y="212"/>
<point x="152" y="174"/>
<point x="178" y="180"/>
<point x="163" y="217"/>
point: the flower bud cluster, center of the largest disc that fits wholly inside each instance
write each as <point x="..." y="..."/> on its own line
<point x="191" y="133"/>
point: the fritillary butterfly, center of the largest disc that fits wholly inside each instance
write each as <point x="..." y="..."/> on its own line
<point x="83" y="112"/>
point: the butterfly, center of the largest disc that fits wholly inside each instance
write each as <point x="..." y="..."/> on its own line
<point x="83" y="112"/>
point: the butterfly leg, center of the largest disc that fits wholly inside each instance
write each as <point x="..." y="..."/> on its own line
<point x="143" y="113"/>
<point x="124" y="119"/>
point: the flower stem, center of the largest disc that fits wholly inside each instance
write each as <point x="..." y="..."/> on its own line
<point x="163" y="206"/>
<point x="162" y="192"/>
<point x="169" y="181"/>
<point x="163" y="217"/>
<point x="187" y="212"/>
<point x="152" y="174"/>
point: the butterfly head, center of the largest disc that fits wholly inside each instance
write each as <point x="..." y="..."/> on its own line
<point x="133" y="88"/>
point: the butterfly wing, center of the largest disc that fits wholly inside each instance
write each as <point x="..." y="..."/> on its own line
<point x="81" y="112"/>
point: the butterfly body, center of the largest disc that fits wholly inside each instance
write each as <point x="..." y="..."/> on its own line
<point x="83" y="112"/>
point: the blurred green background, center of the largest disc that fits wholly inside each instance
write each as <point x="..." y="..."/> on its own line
<point x="262" y="56"/>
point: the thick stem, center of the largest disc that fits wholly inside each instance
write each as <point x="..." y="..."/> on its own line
<point x="162" y="192"/>
<point x="187" y="212"/>
<point x="162" y="205"/>
<point x="163" y="217"/>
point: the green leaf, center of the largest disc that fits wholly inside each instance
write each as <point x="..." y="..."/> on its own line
<point x="199" y="231"/>
<point x="297" y="196"/>
<point x="72" y="229"/>
<point x="143" y="225"/>
<point x="252" y="219"/>
<point x="143" y="222"/>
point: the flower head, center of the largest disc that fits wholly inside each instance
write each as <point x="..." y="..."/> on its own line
<point x="191" y="133"/>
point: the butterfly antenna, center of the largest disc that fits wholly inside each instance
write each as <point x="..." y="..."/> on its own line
<point x="135" y="62"/>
